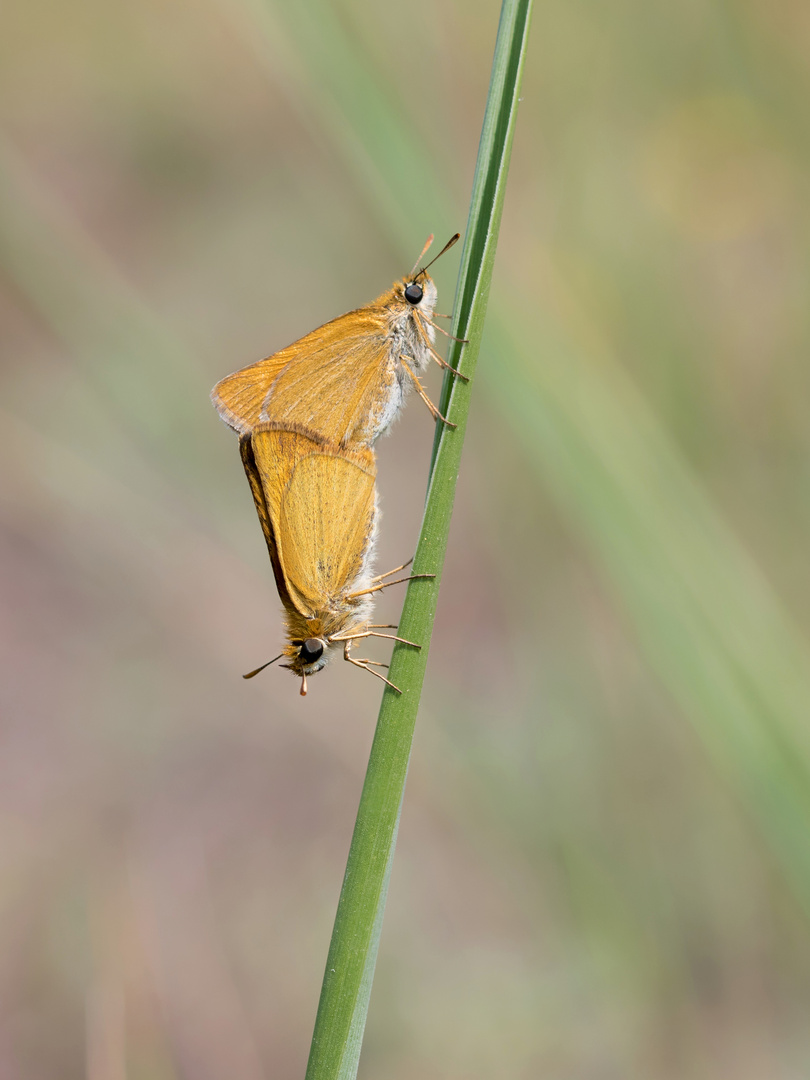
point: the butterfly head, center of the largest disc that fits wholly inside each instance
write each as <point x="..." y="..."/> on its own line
<point x="307" y="656"/>
<point x="418" y="293"/>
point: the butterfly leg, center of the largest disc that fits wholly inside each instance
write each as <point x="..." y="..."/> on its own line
<point x="396" y="570"/>
<point x="443" y="363"/>
<point x="384" y="585"/>
<point x="366" y="666"/>
<point x="370" y="633"/>
<point x="462" y="340"/>
<point x="434" y="412"/>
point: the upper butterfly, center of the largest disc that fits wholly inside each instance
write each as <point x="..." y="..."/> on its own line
<point x="347" y="380"/>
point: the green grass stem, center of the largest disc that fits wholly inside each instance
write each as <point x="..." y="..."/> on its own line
<point x="349" y="972"/>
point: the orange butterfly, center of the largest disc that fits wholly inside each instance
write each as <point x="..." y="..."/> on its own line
<point x="317" y="505"/>
<point x="347" y="380"/>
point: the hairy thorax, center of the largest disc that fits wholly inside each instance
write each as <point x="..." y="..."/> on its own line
<point x="409" y="337"/>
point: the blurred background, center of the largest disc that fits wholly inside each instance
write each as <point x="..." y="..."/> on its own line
<point x="604" y="861"/>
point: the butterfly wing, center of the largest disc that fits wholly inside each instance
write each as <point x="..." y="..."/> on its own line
<point x="321" y="507"/>
<point x="336" y="381"/>
<point x="257" y="490"/>
<point x="341" y="388"/>
<point x="239" y="397"/>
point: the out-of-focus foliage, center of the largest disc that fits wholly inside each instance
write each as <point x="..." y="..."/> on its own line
<point x="602" y="867"/>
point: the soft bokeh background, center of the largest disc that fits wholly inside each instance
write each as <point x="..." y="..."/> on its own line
<point x="604" y="861"/>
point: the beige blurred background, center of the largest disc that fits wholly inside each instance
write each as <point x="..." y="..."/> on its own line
<point x="603" y="863"/>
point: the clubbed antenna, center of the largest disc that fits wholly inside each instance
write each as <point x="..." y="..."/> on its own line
<point x="422" y="253"/>
<point x="250" y="674"/>
<point x="446" y="247"/>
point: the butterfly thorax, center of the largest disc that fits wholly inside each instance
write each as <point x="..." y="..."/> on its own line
<point x="406" y="335"/>
<point x="410" y="330"/>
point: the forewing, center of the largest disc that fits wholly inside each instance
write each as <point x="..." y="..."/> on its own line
<point x="335" y="381"/>
<point x="321" y="505"/>
<point x="255" y="481"/>
<point x="342" y="385"/>
<point x="239" y="397"/>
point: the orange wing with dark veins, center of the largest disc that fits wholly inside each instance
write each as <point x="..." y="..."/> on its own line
<point x="335" y="381"/>
<point x="321" y="507"/>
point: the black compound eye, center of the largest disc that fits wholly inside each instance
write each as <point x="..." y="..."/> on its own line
<point x="311" y="650"/>
<point x="414" y="293"/>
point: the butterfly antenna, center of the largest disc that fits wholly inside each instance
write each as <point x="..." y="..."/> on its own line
<point x="447" y="246"/>
<point x="422" y="253"/>
<point x="303" y="690"/>
<point x="250" y="674"/>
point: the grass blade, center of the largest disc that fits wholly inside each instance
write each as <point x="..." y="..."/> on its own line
<point x="346" y="988"/>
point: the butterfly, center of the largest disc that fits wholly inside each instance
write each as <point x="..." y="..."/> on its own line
<point x="317" y="505"/>
<point x="347" y="380"/>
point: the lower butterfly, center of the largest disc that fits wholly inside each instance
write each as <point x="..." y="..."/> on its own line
<point x="317" y="504"/>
